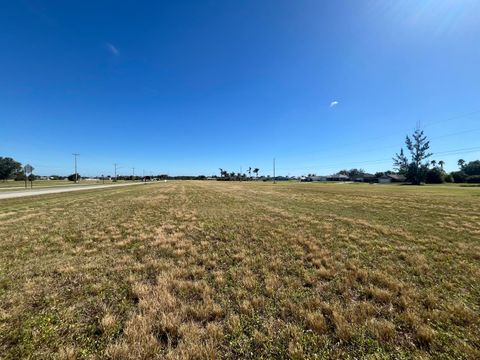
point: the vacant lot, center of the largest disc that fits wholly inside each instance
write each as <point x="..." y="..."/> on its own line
<point x="242" y="270"/>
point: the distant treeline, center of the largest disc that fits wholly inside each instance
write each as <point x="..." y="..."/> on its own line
<point x="414" y="169"/>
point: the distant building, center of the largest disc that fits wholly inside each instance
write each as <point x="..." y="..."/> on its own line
<point x="338" y="177"/>
<point x="318" y="178"/>
<point x="366" y="177"/>
<point x="281" y="178"/>
<point x="387" y="179"/>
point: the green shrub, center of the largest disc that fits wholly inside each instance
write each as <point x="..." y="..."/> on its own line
<point x="472" y="168"/>
<point x="459" y="176"/>
<point x="72" y="177"/>
<point x="416" y="175"/>
<point x="20" y="176"/>
<point x="448" y="178"/>
<point x="474" y="179"/>
<point x="434" y="176"/>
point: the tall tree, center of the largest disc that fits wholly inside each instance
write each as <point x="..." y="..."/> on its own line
<point x="249" y="171"/>
<point x="255" y="171"/>
<point x="441" y="163"/>
<point x="418" y="146"/>
<point x="433" y="162"/>
<point x="415" y="170"/>
<point x="9" y="168"/>
<point x="461" y="163"/>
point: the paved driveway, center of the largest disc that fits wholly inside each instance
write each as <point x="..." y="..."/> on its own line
<point x="33" y="192"/>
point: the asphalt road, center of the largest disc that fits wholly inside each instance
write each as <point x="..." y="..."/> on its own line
<point x="44" y="191"/>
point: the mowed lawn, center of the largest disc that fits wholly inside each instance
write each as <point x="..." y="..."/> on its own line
<point x="242" y="270"/>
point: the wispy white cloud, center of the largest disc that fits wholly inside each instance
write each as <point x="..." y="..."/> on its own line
<point x="113" y="49"/>
<point x="333" y="103"/>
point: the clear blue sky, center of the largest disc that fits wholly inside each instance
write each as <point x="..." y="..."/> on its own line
<point x="186" y="87"/>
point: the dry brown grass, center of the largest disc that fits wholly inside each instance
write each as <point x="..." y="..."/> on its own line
<point x="209" y="270"/>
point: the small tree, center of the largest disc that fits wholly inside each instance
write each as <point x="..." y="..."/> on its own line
<point x="9" y="168"/>
<point x="73" y="177"/>
<point x="416" y="170"/>
<point x="435" y="176"/>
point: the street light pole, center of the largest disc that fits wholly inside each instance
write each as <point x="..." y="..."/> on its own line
<point x="274" y="171"/>
<point x="76" y="174"/>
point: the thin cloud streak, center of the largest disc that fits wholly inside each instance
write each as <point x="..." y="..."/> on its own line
<point x="333" y="104"/>
<point x="113" y="49"/>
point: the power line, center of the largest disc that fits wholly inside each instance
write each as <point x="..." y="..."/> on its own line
<point x="377" y="161"/>
<point x="457" y="117"/>
<point x="395" y="146"/>
<point x="453" y="118"/>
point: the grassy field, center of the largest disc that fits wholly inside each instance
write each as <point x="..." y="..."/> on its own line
<point x="242" y="270"/>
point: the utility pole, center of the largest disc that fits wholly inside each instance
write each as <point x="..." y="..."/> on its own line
<point x="133" y="176"/>
<point x="115" y="171"/>
<point x="76" y="174"/>
<point x="274" y="171"/>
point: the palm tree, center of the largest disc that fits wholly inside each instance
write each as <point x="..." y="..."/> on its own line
<point x="249" y="171"/>
<point x="255" y="171"/>
<point x="441" y="163"/>
<point x="433" y="162"/>
<point x="221" y="172"/>
<point x="461" y="163"/>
